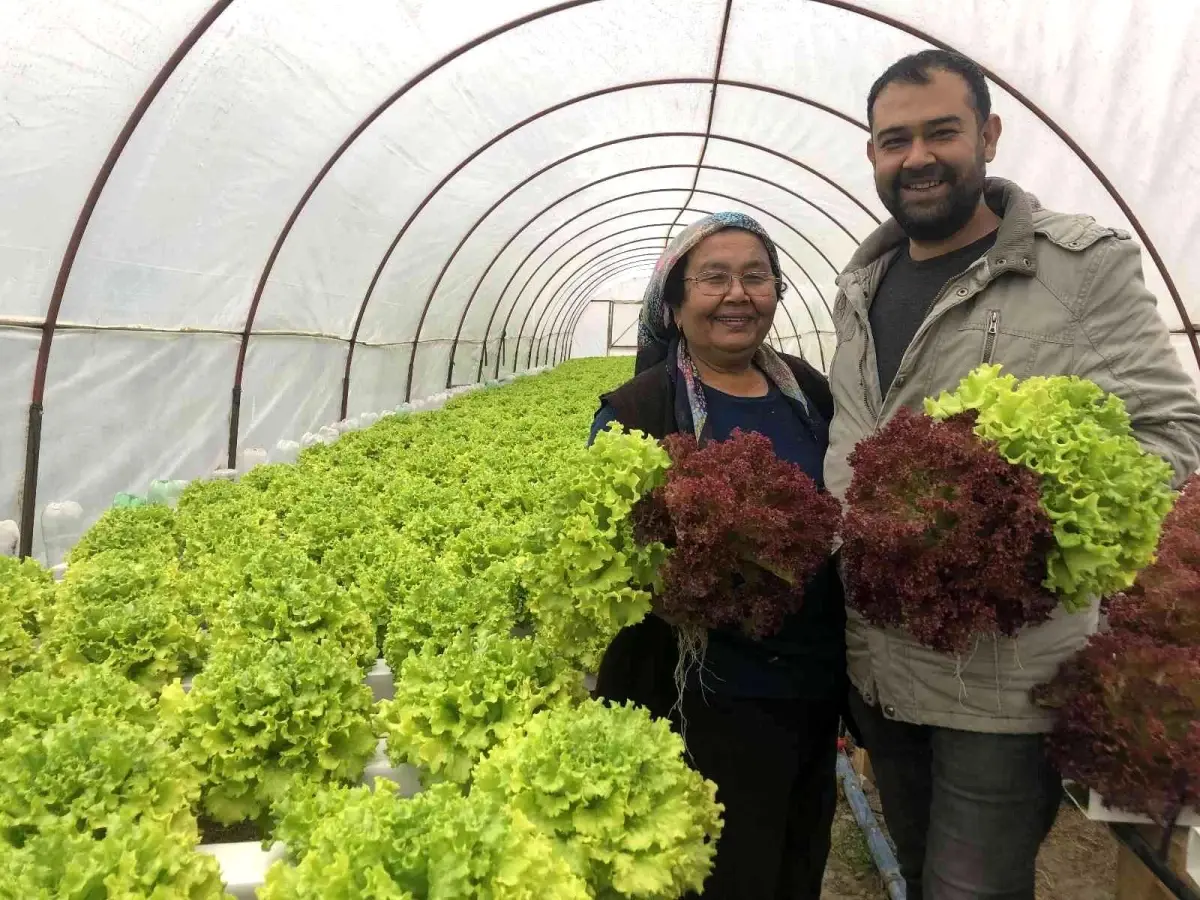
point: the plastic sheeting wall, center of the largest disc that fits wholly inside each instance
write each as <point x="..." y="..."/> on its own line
<point x="412" y="192"/>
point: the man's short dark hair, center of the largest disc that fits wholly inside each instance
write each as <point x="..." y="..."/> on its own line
<point x="916" y="69"/>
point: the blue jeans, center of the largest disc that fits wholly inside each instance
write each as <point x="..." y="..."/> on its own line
<point x="967" y="811"/>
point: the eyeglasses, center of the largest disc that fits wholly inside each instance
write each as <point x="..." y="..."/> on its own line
<point x="756" y="284"/>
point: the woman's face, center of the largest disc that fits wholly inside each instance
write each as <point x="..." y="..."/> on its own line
<point x="735" y="324"/>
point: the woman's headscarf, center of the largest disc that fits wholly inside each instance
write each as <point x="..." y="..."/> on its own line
<point x="659" y="337"/>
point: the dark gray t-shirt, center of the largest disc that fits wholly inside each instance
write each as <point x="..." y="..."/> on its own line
<point x="905" y="296"/>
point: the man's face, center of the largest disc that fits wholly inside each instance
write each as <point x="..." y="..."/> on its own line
<point x="930" y="154"/>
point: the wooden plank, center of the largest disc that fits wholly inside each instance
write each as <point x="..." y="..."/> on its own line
<point x="1135" y="881"/>
<point x="862" y="765"/>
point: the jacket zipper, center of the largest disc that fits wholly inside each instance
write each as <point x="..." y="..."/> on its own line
<point x="989" y="342"/>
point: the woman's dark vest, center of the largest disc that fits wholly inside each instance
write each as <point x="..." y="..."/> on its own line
<point x="639" y="664"/>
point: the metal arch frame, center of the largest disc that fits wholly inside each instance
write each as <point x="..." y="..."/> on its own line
<point x="495" y="139"/>
<point x="733" y="140"/>
<point x="550" y="303"/>
<point x="712" y="111"/>
<point x="620" y="197"/>
<point x="565" y="243"/>
<point x="573" y="296"/>
<point x="500" y="252"/>
<point x="624" y="248"/>
<point x="567" y="335"/>
<point x="67" y="264"/>
<point x="561" y="246"/>
<point x="557" y="291"/>
<point x="33" y="444"/>
<point x="604" y="264"/>
<point x="33" y="435"/>
<point x="558" y="317"/>
<point x="639" y="248"/>
<point x="319" y="178"/>
<point x="585" y="287"/>
<point x="570" y="304"/>
<point x="1189" y="327"/>
<point x="578" y="268"/>
<point x="631" y="270"/>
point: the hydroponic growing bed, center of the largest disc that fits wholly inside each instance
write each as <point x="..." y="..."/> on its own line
<point x="327" y="678"/>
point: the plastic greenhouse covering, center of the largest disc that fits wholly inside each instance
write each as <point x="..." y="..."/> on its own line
<point x="226" y="224"/>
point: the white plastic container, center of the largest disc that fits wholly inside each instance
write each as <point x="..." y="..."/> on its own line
<point x="381" y="681"/>
<point x="1193" y="855"/>
<point x="165" y="493"/>
<point x="366" y="420"/>
<point x="406" y="776"/>
<point x="327" y="434"/>
<point x="286" y="452"/>
<point x="62" y="527"/>
<point x="1098" y="811"/>
<point x="251" y="457"/>
<point x="10" y="538"/>
<point x="243" y="865"/>
<point x="159" y="492"/>
<point x="225" y="475"/>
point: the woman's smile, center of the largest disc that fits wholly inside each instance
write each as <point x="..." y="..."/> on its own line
<point x="739" y="321"/>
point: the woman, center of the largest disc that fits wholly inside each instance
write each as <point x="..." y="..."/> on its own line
<point x="764" y="727"/>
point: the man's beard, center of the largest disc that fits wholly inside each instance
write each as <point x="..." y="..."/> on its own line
<point x="929" y="222"/>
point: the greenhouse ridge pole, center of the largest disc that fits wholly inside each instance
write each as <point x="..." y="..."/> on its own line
<point x="34" y="436"/>
<point x="712" y="111"/>
<point x="496" y="257"/>
<point x="1188" y="326"/>
<point x="354" y="135"/>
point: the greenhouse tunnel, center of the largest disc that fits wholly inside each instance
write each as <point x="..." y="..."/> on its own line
<point x="228" y="224"/>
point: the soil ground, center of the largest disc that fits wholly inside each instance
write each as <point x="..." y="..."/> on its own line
<point x="1078" y="861"/>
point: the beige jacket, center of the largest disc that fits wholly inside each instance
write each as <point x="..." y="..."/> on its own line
<point x="1057" y="294"/>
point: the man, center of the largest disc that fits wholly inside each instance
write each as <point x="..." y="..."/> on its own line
<point x="973" y="270"/>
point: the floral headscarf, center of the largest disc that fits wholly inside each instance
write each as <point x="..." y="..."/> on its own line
<point x="659" y="337"/>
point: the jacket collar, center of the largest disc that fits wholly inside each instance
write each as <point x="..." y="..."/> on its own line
<point x="1013" y="250"/>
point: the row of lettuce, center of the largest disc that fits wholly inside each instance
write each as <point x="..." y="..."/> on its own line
<point x="203" y="666"/>
<point x="489" y="557"/>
